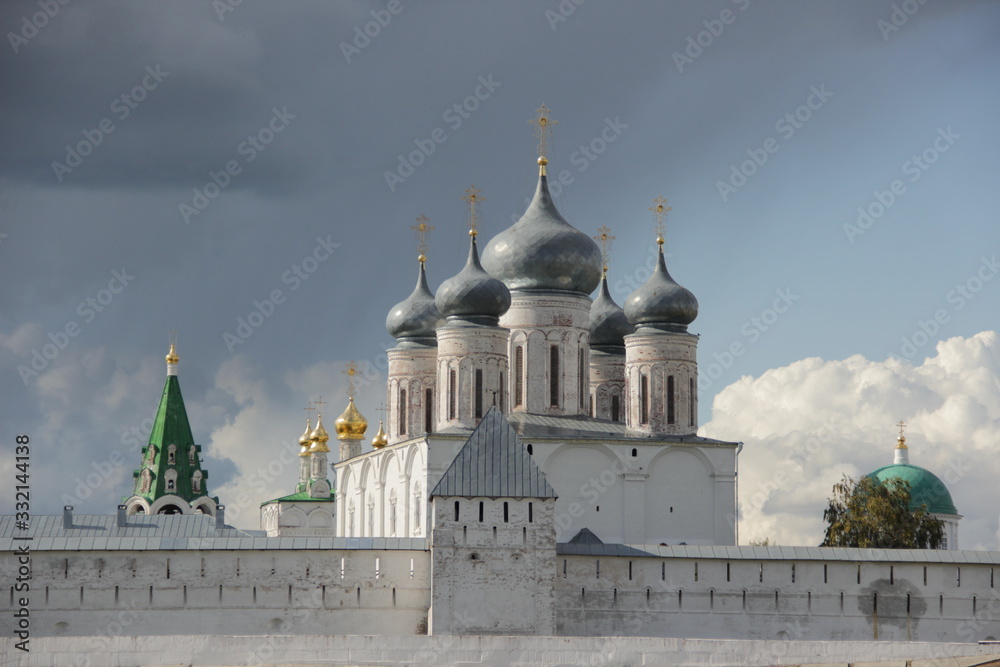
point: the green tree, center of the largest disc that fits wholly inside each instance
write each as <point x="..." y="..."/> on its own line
<point x="867" y="514"/>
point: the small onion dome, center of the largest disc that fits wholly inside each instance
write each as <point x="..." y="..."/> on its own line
<point x="660" y="302"/>
<point x="416" y="318"/>
<point x="608" y="324"/>
<point x="319" y="437"/>
<point x="380" y="440"/>
<point x="351" y="425"/>
<point x="172" y="357"/>
<point x="305" y="440"/>
<point x="473" y="293"/>
<point x="542" y="251"/>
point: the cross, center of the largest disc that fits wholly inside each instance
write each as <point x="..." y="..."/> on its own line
<point x="320" y="402"/>
<point x="173" y="337"/>
<point x="605" y="239"/>
<point x="472" y="196"/>
<point x="422" y="230"/>
<point x="660" y="211"/>
<point x="309" y="409"/>
<point x="384" y="411"/>
<point x="542" y="128"/>
<point x="350" y="368"/>
<point x="901" y="426"/>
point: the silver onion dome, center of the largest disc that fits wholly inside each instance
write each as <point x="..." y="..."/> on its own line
<point x="608" y="324"/>
<point x="473" y="294"/>
<point x="660" y="302"/>
<point x="542" y="251"/>
<point x="414" y="319"/>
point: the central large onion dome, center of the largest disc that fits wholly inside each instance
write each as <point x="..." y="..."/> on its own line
<point x="608" y="324"/>
<point x="661" y="303"/>
<point x="473" y="294"/>
<point x="542" y="251"/>
<point x="415" y="319"/>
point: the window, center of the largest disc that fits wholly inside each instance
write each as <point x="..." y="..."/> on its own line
<point x="554" y="376"/>
<point x="670" y="400"/>
<point x="170" y="485"/>
<point x="172" y="454"/>
<point x="480" y="511"/>
<point x="451" y="394"/>
<point x="591" y="413"/>
<point x="429" y="410"/>
<point x="644" y="400"/>
<point x="456" y="510"/>
<point x="691" y="401"/>
<point x="615" y="408"/>
<point x="402" y="412"/>
<point x="503" y="390"/>
<point x="531" y="513"/>
<point x="479" y="393"/>
<point x="506" y="514"/>
<point x="519" y="376"/>
<point x="583" y="378"/>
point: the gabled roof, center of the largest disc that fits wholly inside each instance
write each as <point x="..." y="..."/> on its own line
<point x="493" y="463"/>
<point x="585" y="536"/>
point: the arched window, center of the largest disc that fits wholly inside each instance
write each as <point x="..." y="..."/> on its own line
<point x="429" y="411"/>
<point x="615" y="409"/>
<point x="196" y="481"/>
<point x="670" y="399"/>
<point x="452" y="388"/>
<point x="171" y="454"/>
<point x="554" y="376"/>
<point x="691" y="401"/>
<point x="644" y="400"/>
<point x="402" y="411"/>
<point x="519" y="376"/>
<point x="479" y="393"/>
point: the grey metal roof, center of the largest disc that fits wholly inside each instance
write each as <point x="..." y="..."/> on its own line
<point x="169" y="533"/>
<point x="785" y="553"/>
<point x="493" y="463"/>
<point x="585" y="536"/>
<point x="530" y="425"/>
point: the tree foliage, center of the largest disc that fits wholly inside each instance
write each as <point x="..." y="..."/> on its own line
<point x="872" y="515"/>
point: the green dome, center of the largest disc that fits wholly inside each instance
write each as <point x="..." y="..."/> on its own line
<point x="925" y="487"/>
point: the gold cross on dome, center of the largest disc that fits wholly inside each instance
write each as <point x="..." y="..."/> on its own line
<point x="350" y="368"/>
<point x="605" y="238"/>
<point x="660" y="210"/>
<point x="320" y="402"/>
<point x="543" y="128"/>
<point x="473" y="197"/>
<point x="422" y="229"/>
<point x="310" y="409"/>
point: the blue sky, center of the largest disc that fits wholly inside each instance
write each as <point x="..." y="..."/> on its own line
<point x="683" y="92"/>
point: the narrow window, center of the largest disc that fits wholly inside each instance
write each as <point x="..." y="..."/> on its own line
<point x="456" y="510"/>
<point x="727" y="571"/>
<point x="531" y="450"/>
<point x="670" y="399"/>
<point x="690" y="401"/>
<point x="583" y="377"/>
<point x="630" y="570"/>
<point x="479" y="393"/>
<point x="531" y="513"/>
<point x="480" y="511"/>
<point x="591" y="406"/>
<point x="503" y="390"/>
<point x="615" y="408"/>
<point x="644" y="400"/>
<point x="429" y="410"/>
<point x="554" y="376"/>
<point x="402" y="412"/>
<point x="635" y="452"/>
<point x="451" y="394"/>
<point x="506" y="515"/>
<point x="824" y="574"/>
<point x="519" y="376"/>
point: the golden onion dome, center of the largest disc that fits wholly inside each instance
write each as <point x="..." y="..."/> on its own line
<point x="351" y="425"/>
<point x="172" y="357"/>
<point x="305" y="440"/>
<point x="319" y="437"/>
<point x="380" y="440"/>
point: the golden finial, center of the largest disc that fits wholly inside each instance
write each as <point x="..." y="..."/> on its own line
<point x="902" y="439"/>
<point x="660" y="211"/>
<point x="543" y="131"/>
<point x="605" y="238"/>
<point x="172" y="357"/>
<point x="319" y="436"/>
<point x="422" y="229"/>
<point x="350" y="368"/>
<point x="473" y="197"/>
